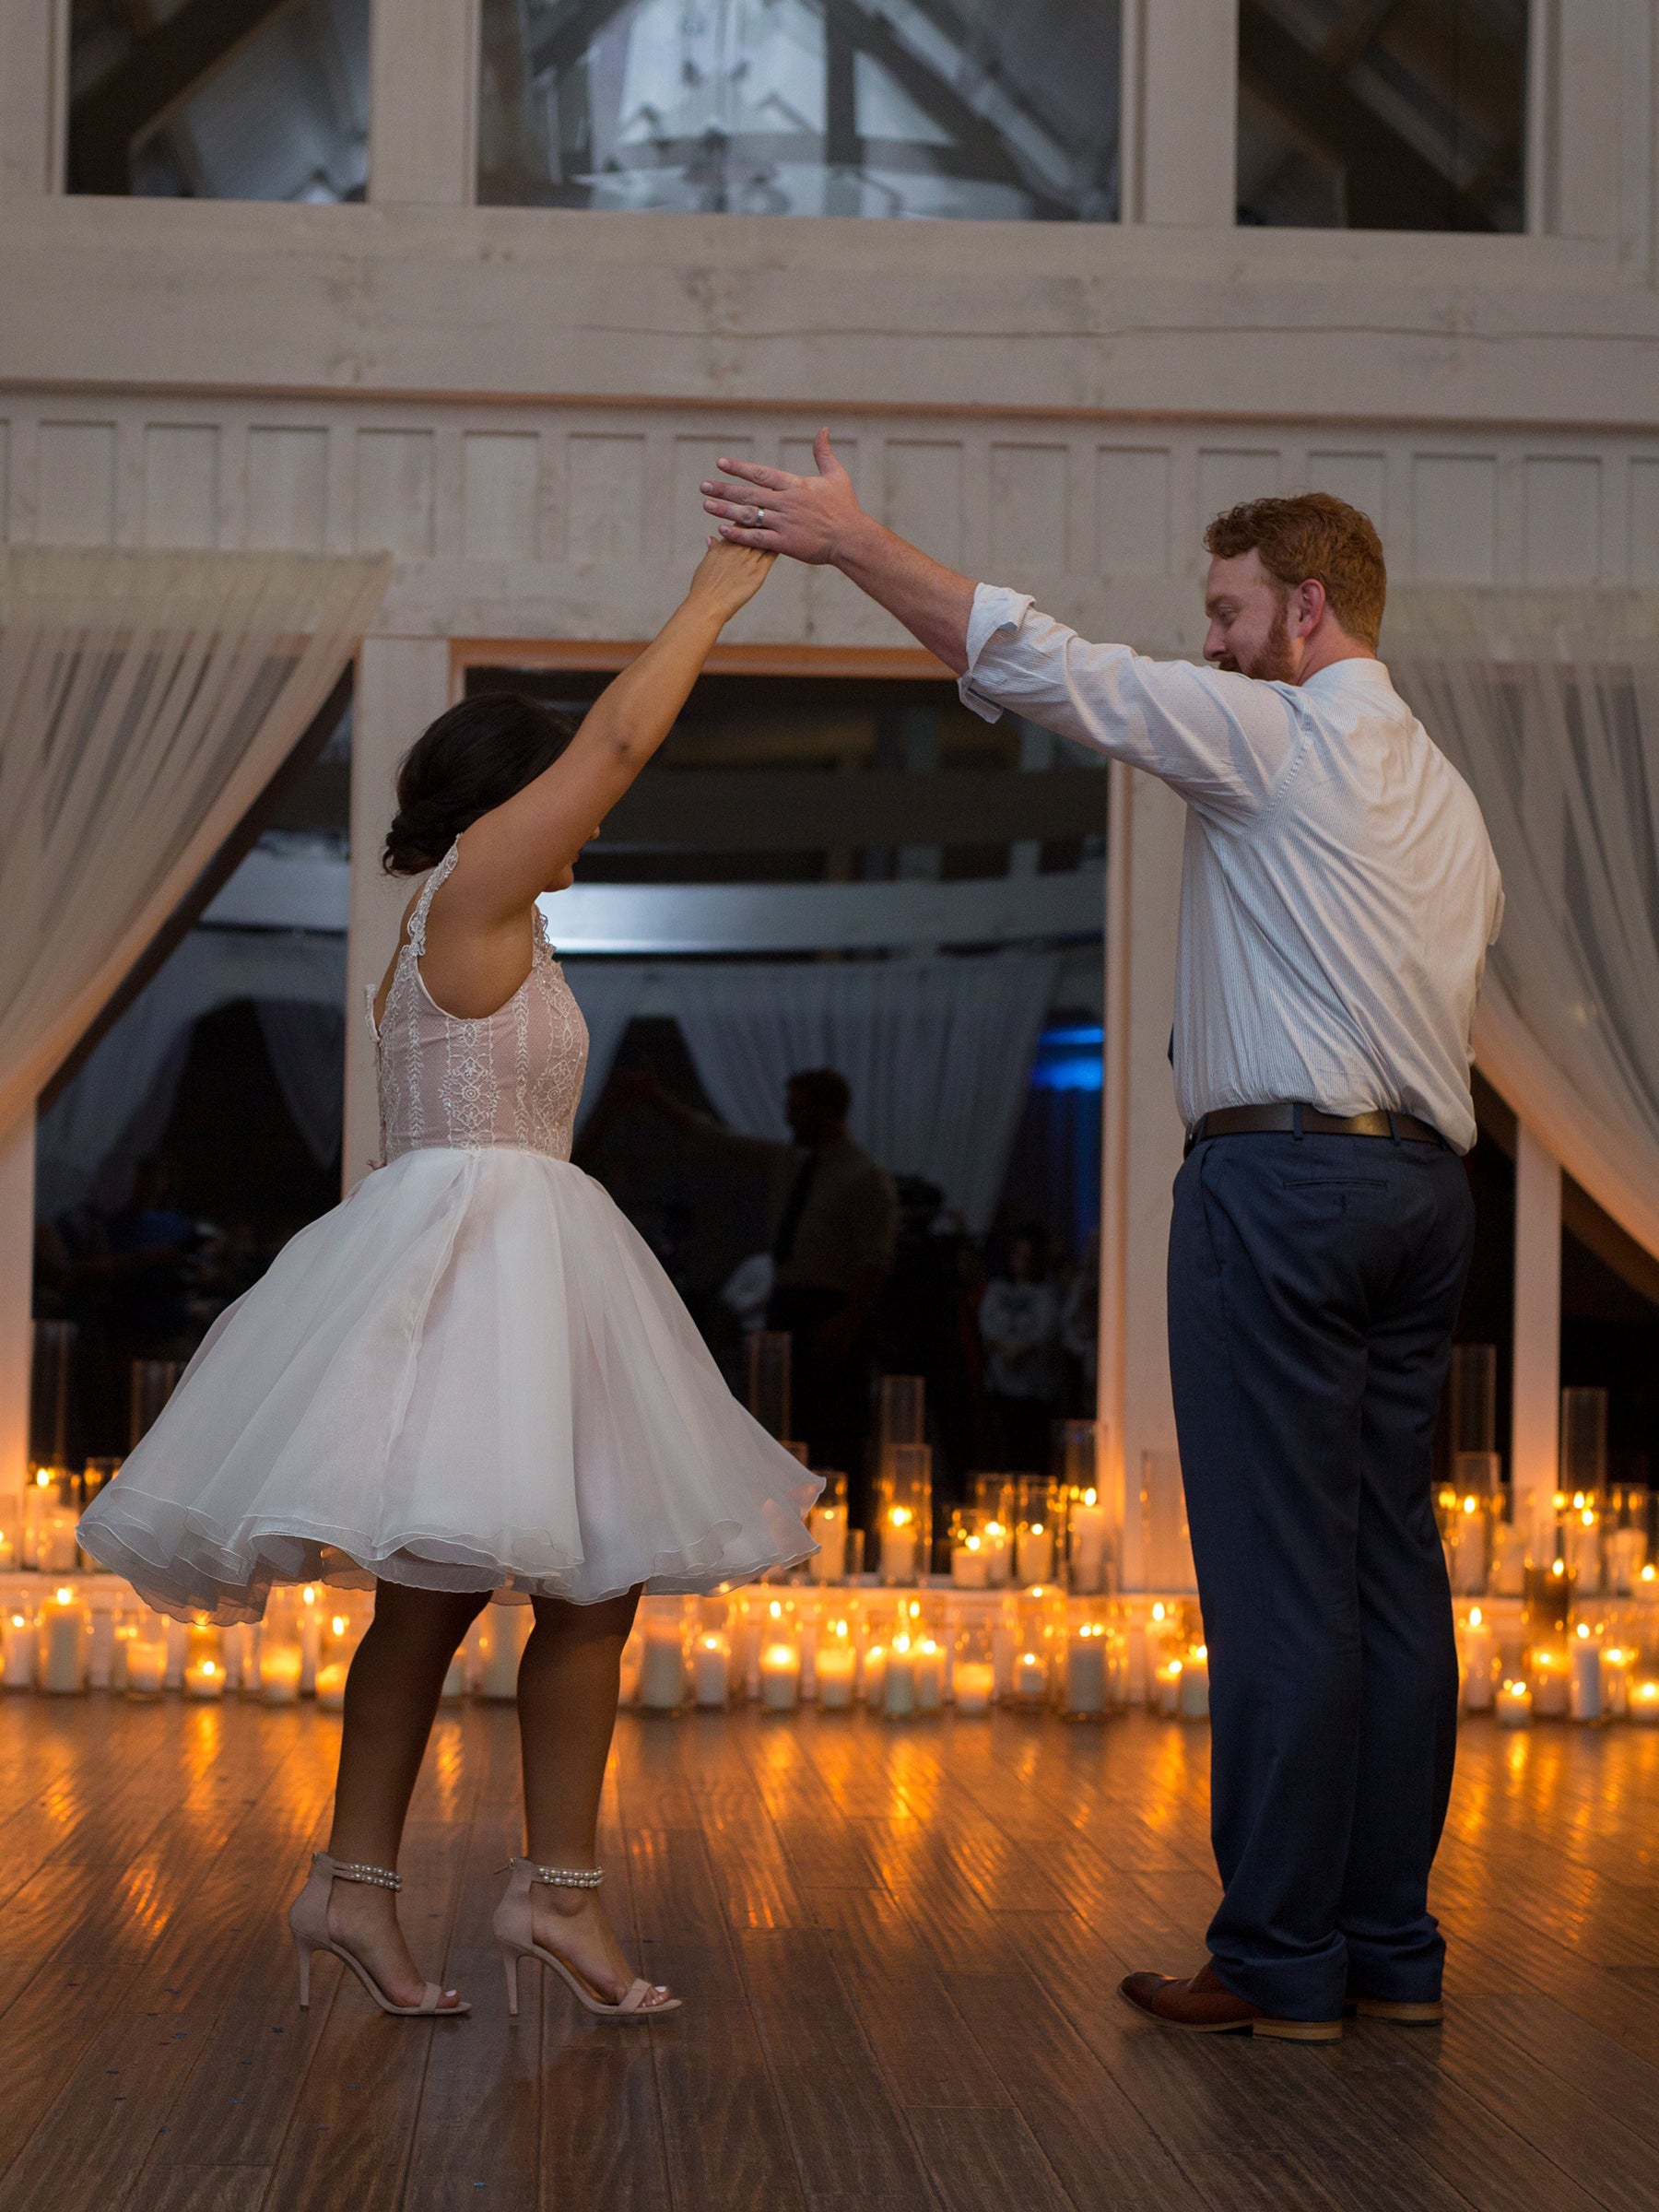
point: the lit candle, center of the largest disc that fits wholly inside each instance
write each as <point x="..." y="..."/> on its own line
<point x="58" y="1551"/>
<point x="1087" y="1542"/>
<point x="874" y="1674"/>
<point x="121" y="1643"/>
<point x="898" y="1685"/>
<point x="1646" y="1585"/>
<point x="205" y="1662"/>
<point x="1165" y="1688"/>
<point x="1514" y="1704"/>
<point x="969" y="1563"/>
<point x="146" y="1660"/>
<point x="837" y="1668"/>
<point x="1584" y="1669"/>
<point x="973" y="1683"/>
<point x="827" y="1525"/>
<point x="998" y="1553"/>
<point x="1034" y="1553"/>
<point x="1626" y="1548"/>
<point x="334" y="1663"/>
<point x="1550" y="1685"/>
<point x="279" y="1667"/>
<point x="780" y="1676"/>
<point x="1615" y="1683"/>
<point x="310" y="1638"/>
<point x="63" y="1643"/>
<point x="1086" y="1671"/>
<point x="1193" y="1697"/>
<point x="1479" y="1652"/>
<point x="331" y="1685"/>
<point x="1005" y="1651"/>
<point x="1469" y="1562"/>
<point x="662" y="1667"/>
<point x="711" y="1670"/>
<point x="1582" y="1545"/>
<point x="100" y="1648"/>
<point x="19" y="1646"/>
<point x="1030" y="1678"/>
<point x="899" y="1546"/>
<point x="929" y="1668"/>
<point x="1136" y="1663"/>
<point x="1644" y="1701"/>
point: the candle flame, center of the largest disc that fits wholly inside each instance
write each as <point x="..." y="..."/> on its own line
<point x="1471" y="1505"/>
<point x="43" y="1479"/>
<point x="339" y="1624"/>
<point x="308" y="1595"/>
<point x="995" y="1528"/>
<point x="901" y="1517"/>
<point x="1036" y="1529"/>
<point x="1158" y="1610"/>
<point x="1089" y="1496"/>
<point x="1202" y="1651"/>
<point x="841" y="1628"/>
<point x="65" y="1596"/>
<point x="776" y="1609"/>
<point x="1584" y="1630"/>
<point x="1474" y="1617"/>
<point x="1588" y="1518"/>
<point x="1559" y="1567"/>
<point x="901" y="1643"/>
<point x="711" y="1643"/>
<point x="971" y="1544"/>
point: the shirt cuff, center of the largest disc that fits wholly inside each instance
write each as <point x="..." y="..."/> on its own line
<point x="995" y="613"/>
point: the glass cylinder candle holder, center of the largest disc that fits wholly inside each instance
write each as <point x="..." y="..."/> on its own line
<point x="904" y="1512"/>
<point x="827" y="1525"/>
<point x="711" y="1669"/>
<point x="1644" y="1698"/>
<point x="663" y="1664"/>
<point x="1584" y="1443"/>
<point x="1477" y="1649"/>
<point x="280" y="1658"/>
<point x="1087" y="1531"/>
<point x="1508" y="1576"/>
<point x="1550" y="1681"/>
<point x="18" y="1634"/>
<point x="1627" y="1542"/>
<point x="1468" y="1543"/>
<point x="970" y="1567"/>
<point x="781" y="1670"/>
<point x="835" y="1665"/>
<point x="770" y="1357"/>
<point x="1036" y="1532"/>
<point x="1085" y="1688"/>
<point x="1585" y="1675"/>
<point x="1513" y="1704"/>
<point x="1581" y="1543"/>
<point x="1616" y="1667"/>
<point x="205" y="1662"/>
<point x="973" y="1670"/>
<point x="339" y="1640"/>
<point x="901" y="1411"/>
<point x="1192" y="1702"/>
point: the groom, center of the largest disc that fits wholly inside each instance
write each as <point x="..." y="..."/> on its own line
<point x="1338" y="895"/>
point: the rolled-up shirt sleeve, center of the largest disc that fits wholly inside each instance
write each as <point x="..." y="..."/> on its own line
<point x="1225" y="742"/>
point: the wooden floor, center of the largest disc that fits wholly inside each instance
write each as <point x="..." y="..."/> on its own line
<point x="897" y="1946"/>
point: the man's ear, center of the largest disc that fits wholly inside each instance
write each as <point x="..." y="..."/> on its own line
<point x="1310" y="600"/>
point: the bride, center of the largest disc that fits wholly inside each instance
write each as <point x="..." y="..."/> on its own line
<point x="472" y="1376"/>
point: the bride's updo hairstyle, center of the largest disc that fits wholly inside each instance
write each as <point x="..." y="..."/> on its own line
<point x="471" y="759"/>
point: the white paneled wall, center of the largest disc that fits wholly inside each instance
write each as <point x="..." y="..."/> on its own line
<point x="592" y="490"/>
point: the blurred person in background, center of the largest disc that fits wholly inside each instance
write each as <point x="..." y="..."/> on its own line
<point x="1019" y="1319"/>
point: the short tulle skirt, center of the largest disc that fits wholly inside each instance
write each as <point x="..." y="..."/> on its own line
<point x="472" y="1375"/>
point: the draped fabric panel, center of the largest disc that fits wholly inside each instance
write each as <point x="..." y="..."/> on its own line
<point x="146" y="701"/>
<point x="111" y="1113"/>
<point x="1549" y="704"/>
<point x="939" y="1053"/>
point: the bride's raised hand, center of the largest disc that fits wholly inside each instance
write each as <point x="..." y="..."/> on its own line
<point x="813" y="518"/>
<point x="728" y="577"/>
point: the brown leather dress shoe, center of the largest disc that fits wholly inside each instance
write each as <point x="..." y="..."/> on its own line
<point x="1203" y="2005"/>
<point x="1428" y="2013"/>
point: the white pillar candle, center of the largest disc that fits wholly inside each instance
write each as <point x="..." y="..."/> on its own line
<point x="1626" y="1548"/>
<point x="1549" y="1686"/>
<point x="1005" y="1651"/>
<point x="19" y="1645"/>
<point x="970" y="1564"/>
<point x="1088" y="1543"/>
<point x="710" y="1671"/>
<point x="1035" y="1554"/>
<point x="827" y="1525"/>
<point x="146" y="1662"/>
<point x="1480" y="1656"/>
<point x="899" y="1546"/>
<point x="63" y="1643"/>
<point x="1137" y="1663"/>
<point x="236" y="1642"/>
<point x="1515" y="1705"/>
<point x="1508" y="1560"/>
<point x="58" y="1553"/>
<point x="310" y="1638"/>
<point x="100" y="1648"/>
<point x="835" y="1669"/>
<point x="899" y="1684"/>
<point x="279" y="1667"/>
<point x="204" y="1677"/>
<point x="929" y="1663"/>
<point x="1086" y="1671"/>
<point x="780" y="1676"/>
<point x="1583" y="1655"/>
<point x="1582" y="1546"/>
<point x="662" y="1667"/>
<point x="973" y="1685"/>
<point x="1645" y="1700"/>
<point x="1165" y="1688"/>
<point x="875" y="1675"/>
<point x="331" y="1685"/>
<point x="1468" y="1550"/>
<point x="178" y="1644"/>
<point x="1030" y="1678"/>
<point x="1193" y="1702"/>
<point x="999" y="1554"/>
<point x="120" y="1643"/>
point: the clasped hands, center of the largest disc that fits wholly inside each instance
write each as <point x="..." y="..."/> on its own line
<point x="813" y="518"/>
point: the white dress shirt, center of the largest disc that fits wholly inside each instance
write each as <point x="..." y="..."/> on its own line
<point x="1338" y="889"/>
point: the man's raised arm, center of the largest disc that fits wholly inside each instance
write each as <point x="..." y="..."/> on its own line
<point x="818" y="520"/>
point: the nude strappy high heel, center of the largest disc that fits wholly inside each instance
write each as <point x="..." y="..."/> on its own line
<point x="515" y="1938"/>
<point x="308" y="1918"/>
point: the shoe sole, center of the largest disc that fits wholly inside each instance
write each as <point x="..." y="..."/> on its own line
<point x="1275" y="2030"/>
<point x="1403" y="2015"/>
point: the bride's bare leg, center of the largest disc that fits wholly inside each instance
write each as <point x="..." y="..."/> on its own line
<point x="392" y="1693"/>
<point x="567" y="1702"/>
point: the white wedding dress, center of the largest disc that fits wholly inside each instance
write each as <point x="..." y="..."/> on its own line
<point x="472" y="1375"/>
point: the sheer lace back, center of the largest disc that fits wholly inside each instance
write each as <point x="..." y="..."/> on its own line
<point x="512" y="1078"/>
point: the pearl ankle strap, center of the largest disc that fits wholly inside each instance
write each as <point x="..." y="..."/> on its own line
<point x="379" y="1877"/>
<point x="570" y="1877"/>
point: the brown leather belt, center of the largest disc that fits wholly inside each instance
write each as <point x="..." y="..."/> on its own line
<point x="1288" y="1119"/>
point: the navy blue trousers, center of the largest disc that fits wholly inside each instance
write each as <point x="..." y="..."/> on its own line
<point x="1313" y="1287"/>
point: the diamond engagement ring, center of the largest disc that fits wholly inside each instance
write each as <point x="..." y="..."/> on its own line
<point x="760" y="521"/>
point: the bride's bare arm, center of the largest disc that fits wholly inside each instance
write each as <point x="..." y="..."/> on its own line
<point x="516" y="850"/>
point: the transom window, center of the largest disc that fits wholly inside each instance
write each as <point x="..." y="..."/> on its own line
<point x="993" y="109"/>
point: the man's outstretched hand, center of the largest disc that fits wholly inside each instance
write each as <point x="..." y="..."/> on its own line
<point x="813" y="518"/>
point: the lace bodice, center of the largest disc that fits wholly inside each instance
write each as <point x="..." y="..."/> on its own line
<point x="512" y="1078"/>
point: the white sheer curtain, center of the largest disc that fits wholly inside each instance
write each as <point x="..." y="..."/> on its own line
<point x="938" y="1054"/>
<point x="609" y="993"/>
<point x="111" y="1112"/>
<point x="1549" y="703"/>
<point x="146" y="699"/>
